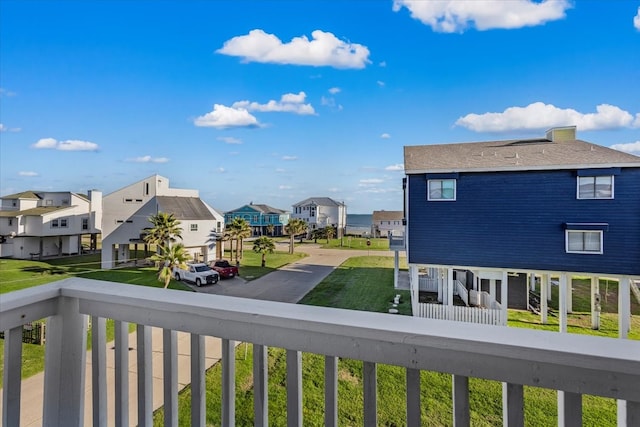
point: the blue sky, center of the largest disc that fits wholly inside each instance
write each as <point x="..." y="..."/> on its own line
<point x="277" y="101"/>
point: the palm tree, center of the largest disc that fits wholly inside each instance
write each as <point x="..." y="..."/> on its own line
<point x="237" y="230"/>
<point x="295" y="226"/>
<point x="166" y="228"/>
<point x="244" y="230"/>
<point x="270" y="229"/>
<point x="329" y="232"/>
<point x="264" y="245"/>
<point x="169" y="258"/>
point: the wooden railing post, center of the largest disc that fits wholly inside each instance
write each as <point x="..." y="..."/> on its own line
<point x="65" y="360"/>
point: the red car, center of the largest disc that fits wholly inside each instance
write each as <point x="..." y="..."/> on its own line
<point x="224" y="269"/>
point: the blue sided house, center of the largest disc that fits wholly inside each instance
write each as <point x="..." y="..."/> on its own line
<point x="486" y="220"/>
<point x="260" y="218"/>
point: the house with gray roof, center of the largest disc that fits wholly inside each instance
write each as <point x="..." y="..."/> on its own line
<point x="319" y="212"/>
<point x="126" y="214"/>
<point x="37" y="224"/>
<point x="387" y="223"/>
<point x="264" y="220"/>
<point x="482" y="216"/>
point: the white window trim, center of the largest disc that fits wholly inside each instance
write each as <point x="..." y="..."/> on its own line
<point x="455" y="190"/>
<point x="595" y="198"/>
<point x="566" y="242"/>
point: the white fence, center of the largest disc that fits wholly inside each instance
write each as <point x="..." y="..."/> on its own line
<point x="571" y="363"/>
<point x="461" y="314"/>
<point x="427" y="284"/>
<point x="484" y="300"/>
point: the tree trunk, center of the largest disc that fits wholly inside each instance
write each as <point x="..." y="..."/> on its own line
<point x="263" y="260"/>
<point x="291" y="243"/>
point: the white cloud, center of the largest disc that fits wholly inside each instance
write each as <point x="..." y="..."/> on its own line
<point x="538" y="116"/>
<point x="380" y="83"/>
<point x="3" y="128"/>
<point x="334" y="90"/>
<point x="324" y="49"/>
<point x="68" y="145"/>
<point x="383" y="64"/>
<point x="636" y="20"/>
<point x="280" y="170"/>
<point x="369" y="182"/>
<point x="385" y="136"/>
<point x="229" y="140"/>
<point x="330" y="102"/>
<point x="289" y="103"/>
<point x="632" y="147"/>
<point x="221" y="170"/>
<point x="289" y="158"/>
<point x="451" y="16"/>
<point x="28" y="173"/>
<point x="5" y="92"/>
<point x="223" y="117"/>
<point x="284" y="187"/>
<point x="148" y="159"/>
<point x="398" y="167"/>
<point x="333" y="189"/>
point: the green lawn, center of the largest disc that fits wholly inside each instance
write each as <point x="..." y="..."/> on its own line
<point x="352" y="242"/>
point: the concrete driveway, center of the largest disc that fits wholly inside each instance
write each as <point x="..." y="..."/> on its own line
<point x="291" y="282"/>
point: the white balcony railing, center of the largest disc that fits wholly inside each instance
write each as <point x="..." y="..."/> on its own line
<point x="572" y="364"/>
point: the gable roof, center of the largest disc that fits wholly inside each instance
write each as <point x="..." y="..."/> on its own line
<point x="514" y="154"/>
<point x="265" y="209"/>
<point x="39" y="211"/>
<point x="23" y="195"/>
<point x="320" y="201"/>
<point x="184" y="208"/>
<point x="387" y="215"/>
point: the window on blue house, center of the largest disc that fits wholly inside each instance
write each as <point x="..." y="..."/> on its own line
<point x="584" y="241"/>
<point x="441" y="189"/>
<point x="595" y="187"/>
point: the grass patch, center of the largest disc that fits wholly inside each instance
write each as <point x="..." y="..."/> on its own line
<point x="250" y="263"/>
<point x="360" y="283"/>
<point x="352" y="242"/>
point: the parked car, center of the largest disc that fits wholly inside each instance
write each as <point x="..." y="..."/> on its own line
<point x="197" y="273"/>
<point x="225" y="269"/>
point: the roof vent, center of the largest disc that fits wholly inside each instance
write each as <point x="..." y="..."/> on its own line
<point x="566" y="133"/>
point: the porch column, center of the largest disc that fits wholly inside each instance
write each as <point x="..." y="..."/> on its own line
<point x="439" y="284"/>
<point x="450" y="286"/>
<point x="532" y="281"/>
<point x="624" y="307"/>
<point x="569" y="294"/>
<point x="549" y="293"/>
<point x="544" y="289"/>
<point x="595" y="303"/>
<point x="414" y="285"/>
<point x="396" y="268"/>
<point x="492" y="288"/>
<point x="562" y="302"/>
<point x="504" y="296"/>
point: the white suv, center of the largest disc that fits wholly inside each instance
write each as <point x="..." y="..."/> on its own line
<point x="200" y="274"/>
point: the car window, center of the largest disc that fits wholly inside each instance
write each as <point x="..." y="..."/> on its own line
<point x="202" y="268"/>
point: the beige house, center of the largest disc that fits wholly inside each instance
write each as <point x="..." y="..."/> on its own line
<point x="387" y="223"/>
<point x="126" y="214"/>
<point x="36" y="224"/>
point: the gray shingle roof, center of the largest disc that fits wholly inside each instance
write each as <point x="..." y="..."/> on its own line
<point x="184" y="208"/>
<point x="41" y="210"/>
<point x="321" y="201"/>
<point x="22" y="195"/>
<point x="528" y="154"/>
<point x="387" y="216"/>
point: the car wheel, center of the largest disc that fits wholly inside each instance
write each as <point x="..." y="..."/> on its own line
<point x="198" y="282"/>
<point x="177" y="277"/>
<point x="215" y="280"/>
